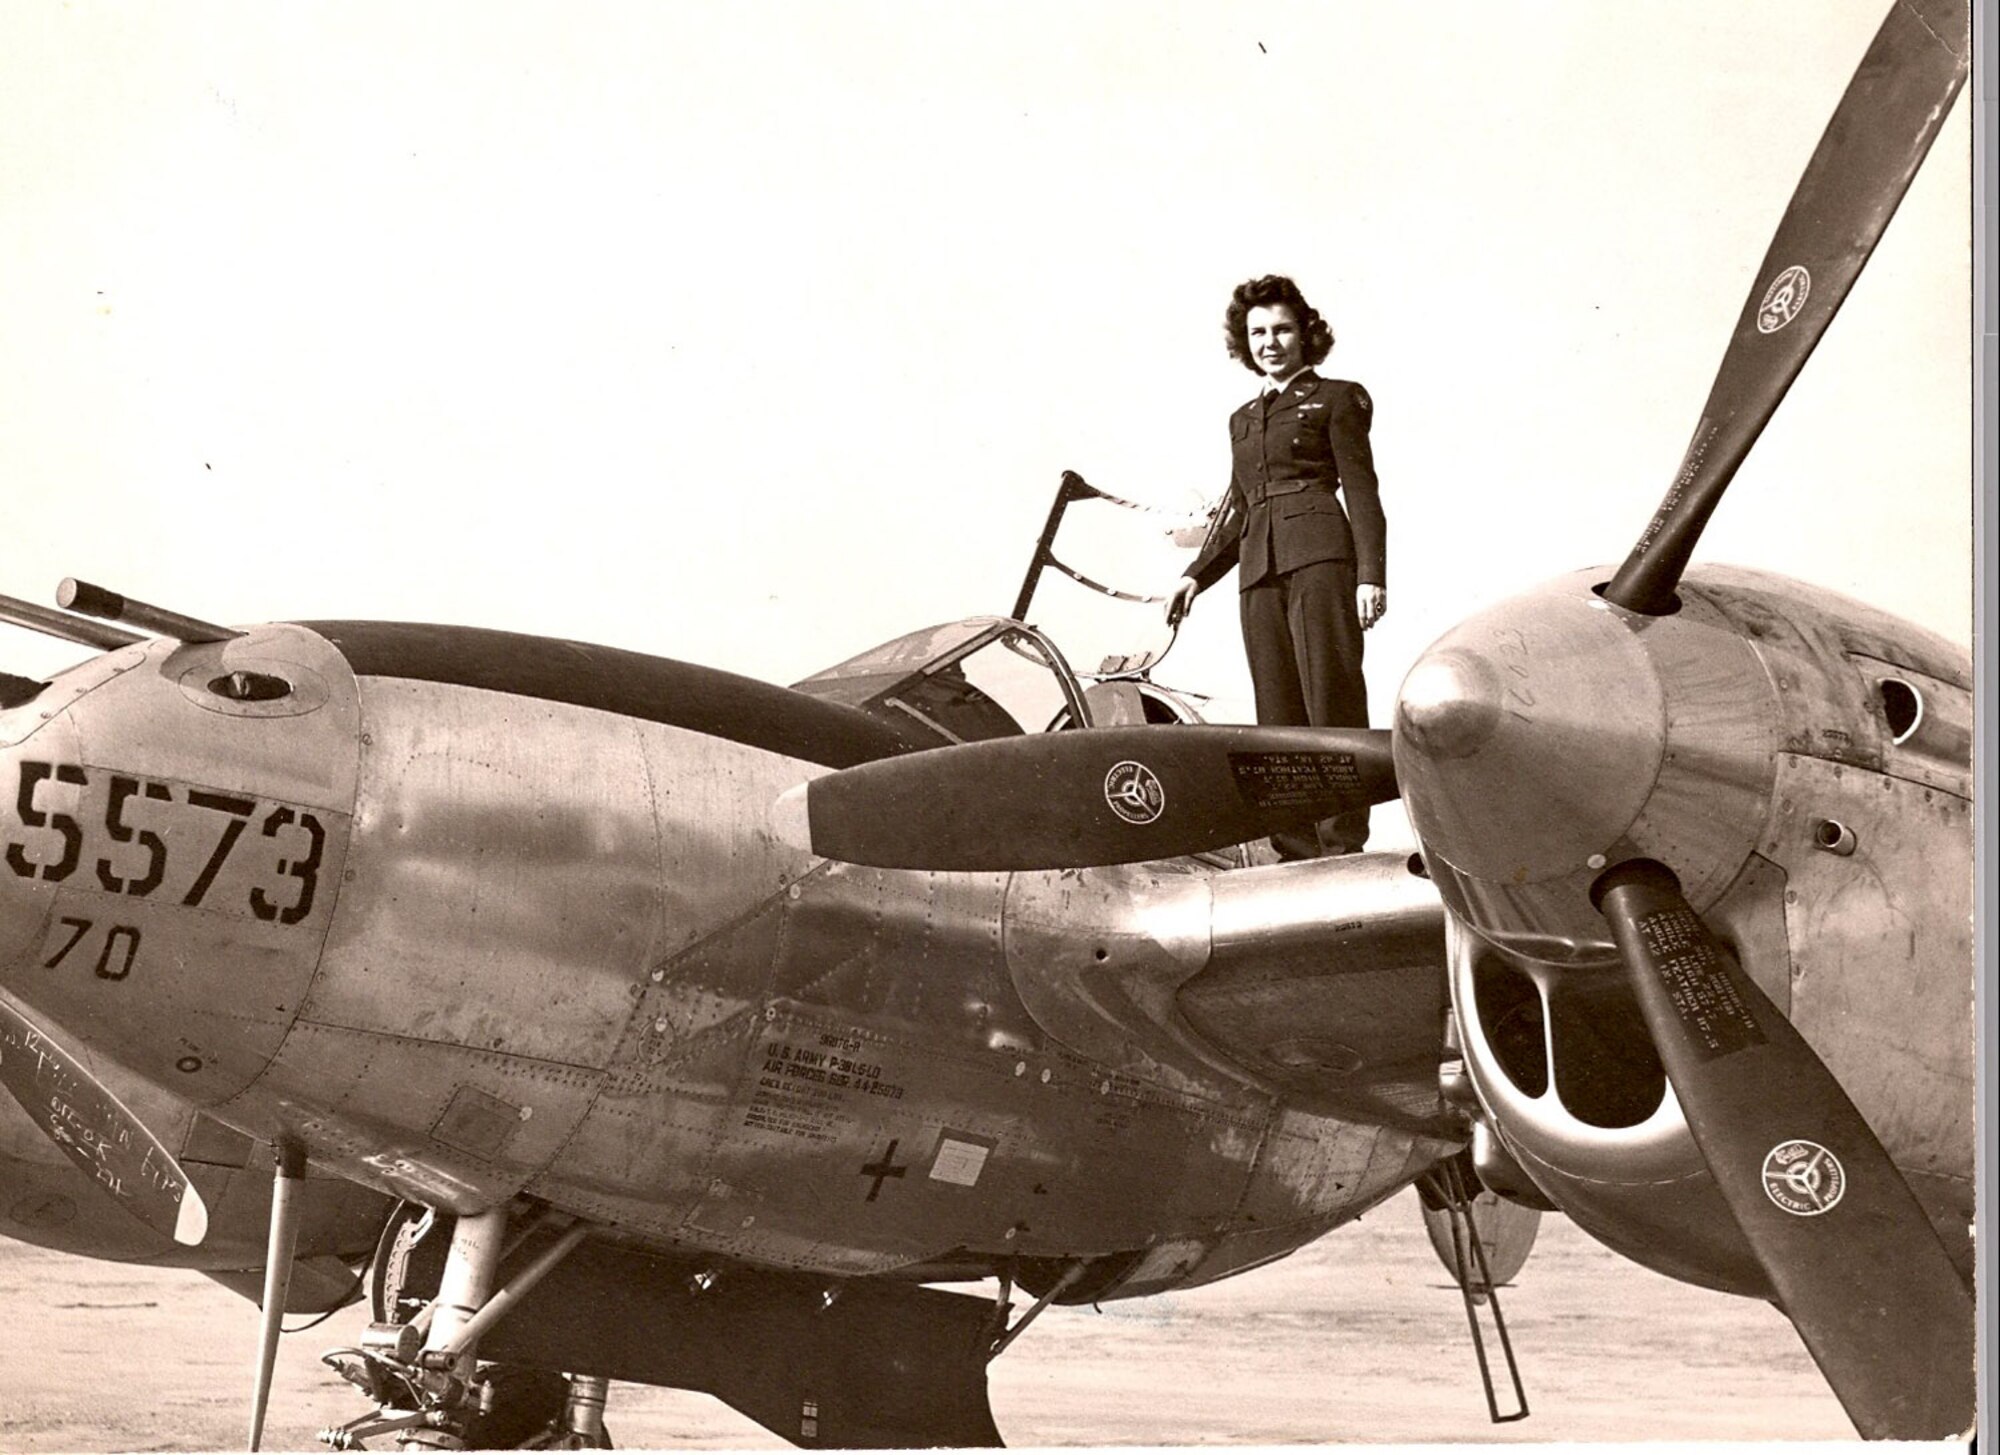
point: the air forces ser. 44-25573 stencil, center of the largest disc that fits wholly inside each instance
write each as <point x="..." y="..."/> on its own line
<point x="1803" y="1178"/>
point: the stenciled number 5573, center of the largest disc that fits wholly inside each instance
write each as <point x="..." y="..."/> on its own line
<point x="137" y="837"/>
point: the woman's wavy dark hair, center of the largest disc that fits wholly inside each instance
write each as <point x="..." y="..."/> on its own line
<point x="1273" y="290"/>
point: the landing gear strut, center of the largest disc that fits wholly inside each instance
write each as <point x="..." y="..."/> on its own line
<point x="422" y="1371"/>
<point x="471" y="1269"/>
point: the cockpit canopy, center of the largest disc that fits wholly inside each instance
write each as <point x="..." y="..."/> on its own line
<point x="984" y="677"/>
<point x="988" y="677"/>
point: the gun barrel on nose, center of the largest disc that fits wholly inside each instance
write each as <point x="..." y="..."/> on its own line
<point x="75" y="595"/>
<point x="64" y="627"/>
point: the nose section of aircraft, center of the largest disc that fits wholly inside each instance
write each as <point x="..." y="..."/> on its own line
<point x="173" y="823"/>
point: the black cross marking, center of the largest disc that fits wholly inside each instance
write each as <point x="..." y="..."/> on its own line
<point x="882" y="1170"/>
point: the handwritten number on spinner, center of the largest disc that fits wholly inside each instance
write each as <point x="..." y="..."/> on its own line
<point x="305" y="870"/>
<point x="239" y="810"/>
<point x="31" y="817"/>
<point x="123" y="788"/>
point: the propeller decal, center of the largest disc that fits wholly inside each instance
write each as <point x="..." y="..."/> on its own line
<point x="1133" y="790"/>
<point x="1803" y="1178"/>
<point x="1783" y="299"/>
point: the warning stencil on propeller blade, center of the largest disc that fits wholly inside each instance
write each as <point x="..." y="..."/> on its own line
<point x="1718" y="1020"/>
<point x="1292" y="780"/>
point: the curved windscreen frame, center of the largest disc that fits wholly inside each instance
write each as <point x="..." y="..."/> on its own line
<point x="983" y="677"/>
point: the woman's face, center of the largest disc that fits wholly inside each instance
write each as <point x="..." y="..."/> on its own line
<point x="1276" y="341"/>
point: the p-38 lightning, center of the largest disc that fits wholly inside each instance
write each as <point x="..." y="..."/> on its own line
<point x="653" y="1023"/>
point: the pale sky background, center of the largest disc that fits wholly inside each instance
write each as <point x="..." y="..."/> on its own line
<point x="754" y="335"/>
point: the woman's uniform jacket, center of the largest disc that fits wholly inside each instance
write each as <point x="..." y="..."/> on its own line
<point x="1295" y="456"/>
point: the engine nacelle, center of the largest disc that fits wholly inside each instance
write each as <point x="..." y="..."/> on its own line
<point x="1569" y="1084"/>
<point x="1801" y="762"/>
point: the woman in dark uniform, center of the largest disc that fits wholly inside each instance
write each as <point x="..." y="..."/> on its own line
<point x="1312" y="575"/>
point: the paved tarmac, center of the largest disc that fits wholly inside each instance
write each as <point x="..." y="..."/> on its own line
<point x="1358" y="1339"/>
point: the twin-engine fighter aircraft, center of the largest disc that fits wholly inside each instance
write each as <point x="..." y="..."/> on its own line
<point x="516" y="930"/>
<point x="700" y="1024"/>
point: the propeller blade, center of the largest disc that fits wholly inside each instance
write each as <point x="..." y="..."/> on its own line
<point x="1853" y="1257"/>
<point x="1871" y="149"/>
<point x="1089" y="796"/>
<point x="96" y="1131"/>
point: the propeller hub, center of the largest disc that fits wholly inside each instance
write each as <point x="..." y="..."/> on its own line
<point x="1556" y="734"/>
<point x="1450" y="704"/>
<point x="1528" y="738"/>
